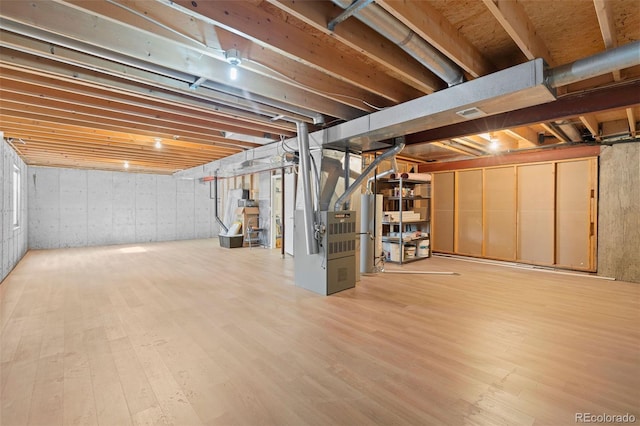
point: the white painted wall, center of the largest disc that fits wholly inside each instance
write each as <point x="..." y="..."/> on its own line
<point x="13" y="240"/>
<point x="77" y="208"/>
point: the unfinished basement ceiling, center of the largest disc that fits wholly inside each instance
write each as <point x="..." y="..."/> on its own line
<point x="95" y="84"/>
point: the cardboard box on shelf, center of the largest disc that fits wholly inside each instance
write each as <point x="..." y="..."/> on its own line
<point x="394" y="216"/>
<point x="247" y="210"/>
<point x="423" y="212"/>
<point x="422" y="190"/>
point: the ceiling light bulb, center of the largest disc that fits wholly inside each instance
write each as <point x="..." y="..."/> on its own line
<point x="232" y="56"/>
<point x="494" y="145"/>
<point x="158" y="144"/>
<point x="233" y="73"/>
<point x="126" y="164"/>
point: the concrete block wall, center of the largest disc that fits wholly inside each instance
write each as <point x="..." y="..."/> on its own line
<point x="619" y="212"/>
<point x="13" y="240"/>
<point x="76" y="208"/>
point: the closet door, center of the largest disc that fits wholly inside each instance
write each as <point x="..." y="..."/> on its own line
<point x="443" y="204"/>
<point x="575" y="188"/>
<point x="536" y="216"/>
<point x="500" y="213"/>
<point x="469" y="212"/>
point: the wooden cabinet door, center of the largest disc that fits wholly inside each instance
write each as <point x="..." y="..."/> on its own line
<point x="575" y="188"/>
<point x="443" y="212"/>
<point x="469" y="212"/>
<point x="536" y="221"/>
<point x="500" y="213"/>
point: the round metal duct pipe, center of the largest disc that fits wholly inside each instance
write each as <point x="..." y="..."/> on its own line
<point x="382" y="22"/>
<point x="601" y="63"/>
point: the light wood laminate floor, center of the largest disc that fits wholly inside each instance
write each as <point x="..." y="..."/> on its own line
<point x="187" y="333"/>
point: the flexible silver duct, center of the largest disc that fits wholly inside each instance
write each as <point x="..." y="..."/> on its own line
<point x="360" y="180"/>
<point x="305" y="173"/>
<point x="378" y="177"/>
<point x="382" y="22"/>
<point x="601" y="63"/>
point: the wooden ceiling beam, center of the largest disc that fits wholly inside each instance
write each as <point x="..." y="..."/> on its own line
<point x="447" y="145"/>
<point x="158" y="18"/>
<point x="525" y="134"/>
<point x="149" y="52"/>
<point x="169" y="22"/>
<point x="278" y="67"/>
<point x="513" y="18"/>
<point x="43" y="143"/>
<point x="632" y="122"/>
<point x="89" y="116"/>
<point x="115" y="109"/>
<point x="71" y="66"/>
<point x="551" y="129"/>
<point x="30" y="124"/>
<point x="73" y="162"/>
<point x="427" y="22"/>
<point x="92" y="154"/>
<point x="36" y="147"/>
<point x="30" y="82"/>
<point x="56" y="119"/>
<point x="604" y="12"/>
<point x="591" y="123"/>
<point x="361" y="38"/>
<point x="273" y="32"/>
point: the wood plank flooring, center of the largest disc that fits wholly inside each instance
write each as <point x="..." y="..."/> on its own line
<point x="188" y="333"/>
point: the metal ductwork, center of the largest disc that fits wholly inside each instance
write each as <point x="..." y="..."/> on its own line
<point x="341" y="202"/>
<point x="305" y="174"/>
<point x="511" y="89"/>
<point x="602" y="63"/>
<point x="215" y="206"/>
<point x="382" y="22"/>
<point x="378" y="177"/>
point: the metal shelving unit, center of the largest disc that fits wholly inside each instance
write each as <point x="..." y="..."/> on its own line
<point x="402" y="226"/>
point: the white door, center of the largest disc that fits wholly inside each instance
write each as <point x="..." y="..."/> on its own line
<point x="289" y="208"/>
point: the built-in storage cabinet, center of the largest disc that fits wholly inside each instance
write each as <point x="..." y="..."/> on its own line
<point x="406" y="218"/>
<point x="538" y="213"/>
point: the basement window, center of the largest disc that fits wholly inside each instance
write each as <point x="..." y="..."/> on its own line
<point x="16" y="196"/>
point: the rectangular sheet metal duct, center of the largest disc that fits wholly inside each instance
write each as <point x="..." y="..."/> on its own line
<point x="517" y="87"/>
<point x="510" y="89"/>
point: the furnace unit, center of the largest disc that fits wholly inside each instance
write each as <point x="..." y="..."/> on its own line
<point x="333" y="268"/>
